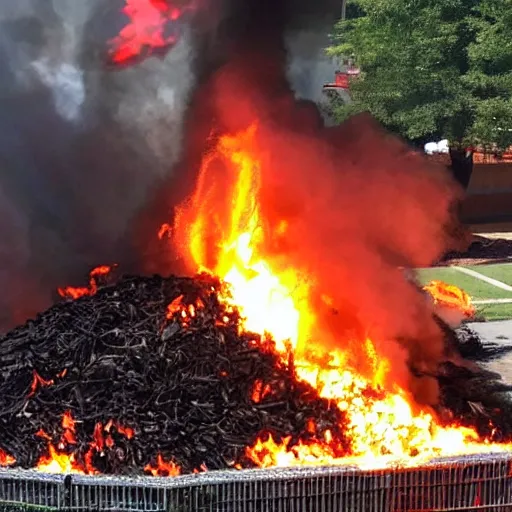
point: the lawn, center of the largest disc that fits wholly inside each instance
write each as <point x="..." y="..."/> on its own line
<point x="501" y="272"/>
<point x="479" y="290"/>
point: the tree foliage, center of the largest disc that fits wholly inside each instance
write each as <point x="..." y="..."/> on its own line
<point x="432" y="68"/>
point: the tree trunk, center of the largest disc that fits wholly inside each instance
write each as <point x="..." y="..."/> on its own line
<point x="462" y="165"/>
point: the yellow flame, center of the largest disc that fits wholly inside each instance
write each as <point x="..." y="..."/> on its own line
<point x="382" y="424"/>
<point x="56" y="462"/>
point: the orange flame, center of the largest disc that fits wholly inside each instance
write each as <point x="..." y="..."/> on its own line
<point x="450" y="296"/>
<point x="71" y="292"/>
<point x="163" y="467"/>
<point x="269" y="453"/>
<point x="68" y="424"/>
<point x="144" y="34"/>
<point x="6" y="459"/>
<point x="127" y="432"/>
<point x="260" y="391"/>
<point x="58" y="460"/>
<point x="165" y="230"/>
<point x="264" y="298"/>
<point x="102" y="439"/>
<point x="224" y="230"/>
<point x="202" y="469"/>
<point x="184" y="313"/>
<point x="37" y="381"/>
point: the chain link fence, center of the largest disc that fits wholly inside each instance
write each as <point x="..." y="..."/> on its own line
<point x="477" y="483"/>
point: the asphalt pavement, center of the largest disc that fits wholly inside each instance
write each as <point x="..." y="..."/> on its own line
<point x="499" y="332"/>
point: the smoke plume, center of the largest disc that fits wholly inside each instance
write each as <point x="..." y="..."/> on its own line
<point x="94" y="160"/>
<point x="358" y="204"/>
<point x="81" y="143"/>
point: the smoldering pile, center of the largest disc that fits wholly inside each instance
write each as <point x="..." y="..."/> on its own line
<point x="473" y="394"/>
<point x="163" y="358"/>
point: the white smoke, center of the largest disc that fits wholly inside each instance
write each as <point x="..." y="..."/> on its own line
<point x="308" y="67"/>
<point x="67" y="86"/>
<point x="152" y="100"/>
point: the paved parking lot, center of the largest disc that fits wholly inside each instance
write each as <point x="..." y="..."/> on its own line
<point x="497" y="332"/>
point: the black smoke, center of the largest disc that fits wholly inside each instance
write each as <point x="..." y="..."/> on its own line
<point x="80" y="143"/>
<point x="280" y="45"/>
<point x="83" y="147"/>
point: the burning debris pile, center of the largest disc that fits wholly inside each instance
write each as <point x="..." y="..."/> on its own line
<point x="150" y="373"/>
<point x="157" y="375"/>
<point x="300" y="340"/>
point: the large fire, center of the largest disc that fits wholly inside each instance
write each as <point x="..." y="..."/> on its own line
<point x="223" y="229"/>
<point x="264" y="298"/>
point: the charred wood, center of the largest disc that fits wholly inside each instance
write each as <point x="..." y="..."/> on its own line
<point x="184" y="385"/>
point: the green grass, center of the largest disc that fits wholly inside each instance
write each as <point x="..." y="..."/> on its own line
<point x="479" y="290"/>
<point x="476" y="288"/>
<point x="492" y="312"/>
<point x="502" y="272"/>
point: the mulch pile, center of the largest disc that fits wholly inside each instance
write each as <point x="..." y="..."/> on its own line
<point x="481" y="250"/>
<point x="185" y="385"/>
<point x="153" y="366"/>
<point x="474" y="395"/>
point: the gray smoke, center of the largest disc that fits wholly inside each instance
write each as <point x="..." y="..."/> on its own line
<point x="80" y="144"/>
<point x="308" y="66"/>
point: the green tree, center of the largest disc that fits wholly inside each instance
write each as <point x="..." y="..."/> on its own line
<point x="490" y="76"/>
<point x="433" y="68"/>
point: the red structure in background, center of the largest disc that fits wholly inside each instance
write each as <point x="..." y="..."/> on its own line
<point x="481" y="157"/>
<point x="342" y="79"/>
